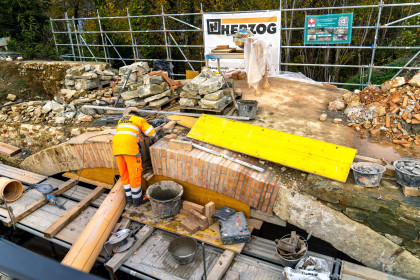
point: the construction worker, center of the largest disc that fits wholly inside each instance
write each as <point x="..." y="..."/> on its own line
<point x="130" y="131"/>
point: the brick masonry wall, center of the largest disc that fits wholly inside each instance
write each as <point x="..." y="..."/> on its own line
<point x="258" y="190"/>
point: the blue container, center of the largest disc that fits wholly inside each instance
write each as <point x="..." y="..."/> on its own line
<point x="235" y="229"/>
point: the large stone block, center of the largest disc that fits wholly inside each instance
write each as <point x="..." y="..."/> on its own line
<point x="353" y="238"/>
<point x="127" y="95"/>
<point x="189" y="95"/>
<point x="219" y="104"/>
<point x="392" y="225"/>
<point x="211" y="85"/>
<point x="214" y="96"/>
<point x="158" y="96"/>
<point x="188" y="102"/>
<point x="396" y="82"/>
<point x="415" y="80"/>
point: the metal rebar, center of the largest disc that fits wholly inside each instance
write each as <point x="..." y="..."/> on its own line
<point x="173" y="39"/>
<point x="167" y="112"/>
<point x="69" y="32"/>
<point x="408" y="63"/>
<point x="102" y="35"/>
<point x="131" y="35"/>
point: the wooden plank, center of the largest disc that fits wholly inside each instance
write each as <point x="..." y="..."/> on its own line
<point x="365" y="272"/>
<point x="94" y="136"/>
<point x="221" y="266"/>
<point x="211" y="235"/>
<point x="185" y="121"/>
<point x="105" y="175"/>
<point x="302" y="153"/>
<point x="203" y="196"/>
<point x="269" y="218"/>
<point x="118" y="259"/>
<point x="88" y="181"/>
<point x="20" y="174"/>
<point x="255" y="223"/>
<point x="72" y="213"/>
<point x="8" y="150"/>
<point x="38" y="203"/>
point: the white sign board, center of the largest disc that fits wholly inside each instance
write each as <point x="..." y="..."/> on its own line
<point x="220" y="28"/>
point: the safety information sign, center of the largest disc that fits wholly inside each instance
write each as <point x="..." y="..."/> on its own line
<point x="328" y="29"/>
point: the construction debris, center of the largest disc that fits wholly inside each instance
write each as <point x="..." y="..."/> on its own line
<point x="393" y="111"/>
<point x="292" y="247"/>
<point x="89" y="77"/>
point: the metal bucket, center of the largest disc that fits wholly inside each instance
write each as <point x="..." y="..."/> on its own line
<point x="404" y="177"/>
<point x="292" y="262"/>
<point x="183" y="249"/>
<point x="368" y="179"/>
<point x="247" y="108"/>
<point x="165" y="198"/>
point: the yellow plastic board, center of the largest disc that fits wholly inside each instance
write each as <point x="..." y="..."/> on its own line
<point x="183" y="120"/>
<point x="306" y="154"/>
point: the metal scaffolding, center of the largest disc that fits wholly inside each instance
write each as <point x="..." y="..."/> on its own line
<point x="77" y="39"/>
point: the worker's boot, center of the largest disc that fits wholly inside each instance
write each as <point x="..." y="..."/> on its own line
<point x="140" y="201"/>
<point x="128" y="197"/>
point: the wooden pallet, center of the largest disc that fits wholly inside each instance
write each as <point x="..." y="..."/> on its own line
<point x="198" y="110"/>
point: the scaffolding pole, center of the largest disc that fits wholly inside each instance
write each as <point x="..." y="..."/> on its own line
<point x="131" y="35"/>
<point x="69" y="32"/>
<point x="375" y="42"/>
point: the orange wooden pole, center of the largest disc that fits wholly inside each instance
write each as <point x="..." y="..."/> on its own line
<point x="88" y="246"/>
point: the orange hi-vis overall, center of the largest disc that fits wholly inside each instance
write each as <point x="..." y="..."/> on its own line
<point x="126" y="147"/>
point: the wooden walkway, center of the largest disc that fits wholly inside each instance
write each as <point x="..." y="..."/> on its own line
<point x="256" y="261"/>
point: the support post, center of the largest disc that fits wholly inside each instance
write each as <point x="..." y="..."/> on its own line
<point x="77" y="39"/>
<point x="69" y="32"/>
<point x="55" y="41"/>
<point x="132" y="38"/>
<point x="280" y="30"/>
<point x="102" y="37"/>
<point x="166" y="37"/>
<point x="202" y="32"/>
<point x="375" y="43"/>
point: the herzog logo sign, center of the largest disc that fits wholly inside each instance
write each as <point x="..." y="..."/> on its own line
<point x="229" y="26"/>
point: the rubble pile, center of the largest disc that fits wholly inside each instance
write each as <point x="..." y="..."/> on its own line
<point x="392" y="111"/>
<point x="89" y="77"/>
<point x="208" y="89"/>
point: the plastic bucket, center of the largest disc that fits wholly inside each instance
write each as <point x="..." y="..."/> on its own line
<point x="367" y="174"/>
<point x="404" y="177"/>
<point x="247" y="108"/>
<point x="183" y="249"/>
<point x="291" y="262"/>
<point x="10" y="189"/>
<point x="165" y="198"/>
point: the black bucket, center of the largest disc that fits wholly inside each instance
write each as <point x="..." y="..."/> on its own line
<point x="183" y="249"/>
<point x="404" y="177"/>
<point x="284" y="260"/>
<point x="165" y="198"/>
<point x="371" y="175"/>
<point x="247" y="108"/>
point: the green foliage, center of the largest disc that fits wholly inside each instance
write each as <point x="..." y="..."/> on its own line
<point x="20" y="84"/>
<point x="379" y="76"/>
<point x="28" y="26"/>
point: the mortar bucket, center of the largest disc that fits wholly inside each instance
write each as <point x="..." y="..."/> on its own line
<point x="404" y="177"/>
<point x="183" y="249"/>
<point x="10" y="189"/>
<point x="367" y="174"/>
<point x="247" y="108"/>
<point x="165" y="198"/>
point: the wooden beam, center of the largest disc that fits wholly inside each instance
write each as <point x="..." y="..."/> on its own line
<point x="221" y="266"/>
<point x="8" y="150"/>
<point x="40" y="202"/>
<point x="366" y="273"/>
<point x="87" y="181"/>
<point x="118" y="259"/>
<point x="73" y="213"/>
